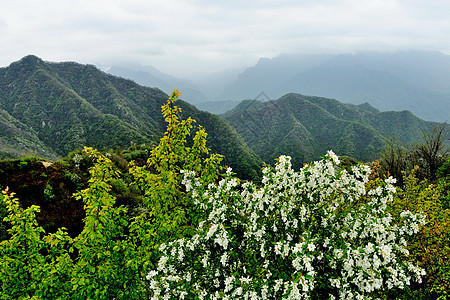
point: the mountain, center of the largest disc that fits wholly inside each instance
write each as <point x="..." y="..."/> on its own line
<point x="194" y="90"/>
<point x="51" y="109"/>
<point x="268" y="74"/>
<point x="213" y="84"/>
<point x="418" y="81"/>
<point x="151" y="77"/>
<point x="358" y="83"/>
<point x="305" y="127"/>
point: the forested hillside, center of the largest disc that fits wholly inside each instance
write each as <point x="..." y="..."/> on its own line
<point x="50" y="109"/>
<point x="164" y="218"/>
<point x="197" y="231"/>
<point x="304" y="127"/>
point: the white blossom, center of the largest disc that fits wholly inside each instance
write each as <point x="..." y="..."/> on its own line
<point x="252" y="233"/>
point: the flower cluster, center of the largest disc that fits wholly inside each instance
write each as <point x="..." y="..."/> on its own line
<point x="314" y="233"/>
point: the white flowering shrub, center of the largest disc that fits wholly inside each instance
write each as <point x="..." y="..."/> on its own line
<point x="318" y="233"/>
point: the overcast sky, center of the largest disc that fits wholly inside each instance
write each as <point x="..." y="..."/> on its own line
<point x="188" y="38"/>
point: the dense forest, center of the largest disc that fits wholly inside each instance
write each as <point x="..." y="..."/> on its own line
<point x="155" y="213"/>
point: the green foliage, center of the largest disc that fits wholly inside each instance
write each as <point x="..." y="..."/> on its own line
<point x="443" y="184"/>
<point x="17" y="139"/>
<point x="102" y="270"/>
<point x="23" y="164"/>
<point x="431" y="247"/>
<point x="433" y="151"/>
<point x="427" y="157"/>
<point x="23" y="267"/>
<point x="98" y="264"/>
<point x="444" y="170"/>
<point x="395" y="159"/>
<point x="348" y="162"/>
<point x="116" y="250"/>
<point x="160" y="179"/>
<point x="3" y="214"/>
<point x="48" y="192"/>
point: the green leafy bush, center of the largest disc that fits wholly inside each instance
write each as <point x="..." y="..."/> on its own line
<point x="444" y="170"/>
<point x="173" y="212"/>
<point x="3" y="214"/>
<point x="431" y="247"/>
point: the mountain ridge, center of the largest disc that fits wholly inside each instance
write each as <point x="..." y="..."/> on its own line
<point x="151" y="77"/>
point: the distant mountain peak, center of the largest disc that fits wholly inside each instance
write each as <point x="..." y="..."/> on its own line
<point x="263" y="60"/>
<point x="366" y="106"/>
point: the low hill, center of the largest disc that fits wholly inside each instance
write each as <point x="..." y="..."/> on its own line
<point x="18" y="139"/>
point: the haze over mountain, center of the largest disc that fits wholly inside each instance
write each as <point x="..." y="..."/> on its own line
<point x="199" y="92"/>
<point x="418" y="81"/>
<point x="151" y="77"/>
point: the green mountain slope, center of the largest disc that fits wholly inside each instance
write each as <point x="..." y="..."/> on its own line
<point x="17" y="139"/>
<point x="54" y="108"/>
<point x="304" y="127"/>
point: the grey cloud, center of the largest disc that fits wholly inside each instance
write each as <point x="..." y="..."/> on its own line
<point x="199" y="35"/>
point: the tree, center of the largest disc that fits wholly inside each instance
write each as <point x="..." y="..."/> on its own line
<point x="160" y="179"/>
<point x="113" y="253"/>
<point x="394" y="159"/>
<point x="433" y="150"/>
